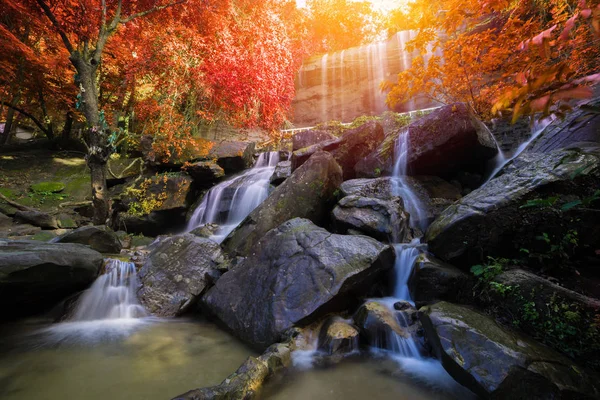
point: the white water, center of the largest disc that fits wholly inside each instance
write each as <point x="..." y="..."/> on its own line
<point x="109" y="308"/>
<point x="502" y="159"/>
<point x="229" y="202"/>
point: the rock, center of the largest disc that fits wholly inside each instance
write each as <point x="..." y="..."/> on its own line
<point x="283" y="170"/>
<point x="22" y="230"/>
<point x="308" y="193"/>
<point x="34" y="275"/>
<point x="580" y="125"/>
<point x="378" y="324"/>
<point x="37" y="218"/>
<point x="296" y="273"/>
<point x="374" y="165"/>
<point x="233" y="156"/>
<point x="99" y="238"/>
<point x="205" y="173"/>
<point x="48" y="187"/>
<point x="5" y="223"/>
<point x="383" y="220"/>
<point x="490" y="221"/>
<point x="304" y="139"/>
<point x="174" y="274"/>
<point x="246" y="382"/>
<point x="434" y="193"/>
<point x="433" y="280"/>
<point x="448" y="139"/>
<point x="482" y="356"/>
<point x="558" y="316"/>
<point x="67" y="221"/>
<point x="205" y="231"/>
<point x="154" y="224"/>
<point x="123" y="168"/>
<point x="352" y="146"/>
<point x="338" y="337"/>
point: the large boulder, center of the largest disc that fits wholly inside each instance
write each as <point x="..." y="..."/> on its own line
<point x="296" y="273"/>
<point x="347" y="150"/>
<point x="308" y="193"/>
<point x="35" y="275"/>
<point x="485" y="357"/>
<point x="177" y="272"/>
<point x="492" y="220"/>
<point x="99" y="238"/>
<point x="233" y="156"/>
<point x="37" y="218"/>
<point x="559" y="317"/>
<point x="308" y="138"/>
<point x="124" y="168"/>
<point x="432" y="280"/>
<point x="383" y="220"/>
<point x="205" y="173"/>
<point x="283" y="170"/>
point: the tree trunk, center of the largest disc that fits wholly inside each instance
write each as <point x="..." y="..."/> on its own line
<point x="10" y="117"/>
<point x="66" y="131"/>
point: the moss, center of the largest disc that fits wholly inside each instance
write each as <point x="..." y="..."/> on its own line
<point x="44" y="236"/>
<point x="48" y="187"/>
<point x="7" y="192"/>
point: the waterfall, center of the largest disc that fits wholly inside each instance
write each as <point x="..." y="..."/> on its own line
<point x="229" y="202"/>
<point x="401" y="188"/>
<point x="112" y="296"/>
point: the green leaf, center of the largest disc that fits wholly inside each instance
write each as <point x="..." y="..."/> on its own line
<point x="571" y="204"/>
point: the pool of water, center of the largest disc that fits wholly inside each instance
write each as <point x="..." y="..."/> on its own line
<point x="143" y="360"/>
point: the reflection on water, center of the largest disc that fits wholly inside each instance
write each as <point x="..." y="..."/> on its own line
<point x="159" y="360"/>
<point x="361" y="379"/>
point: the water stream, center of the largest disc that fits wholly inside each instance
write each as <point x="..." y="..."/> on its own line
<point x="229" y="202"/>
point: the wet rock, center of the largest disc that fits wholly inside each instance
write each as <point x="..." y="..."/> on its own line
<point x="352" y="146"/>
<point x="37" y="218"/>
<point x="35" y="275"/>
<point x="205" y="231"/>
<point x="558" y="316"/>
<point x="283" y="170"/>
<point x="246" y="382"/>
<point x="296" y="273"/>
<point x="308" y="193"/>
<point x="153" y="224"/>
<point x="434" y="193"/>
<point x="490" y="221"/>
<point x="378" y="323"/>
<point x="433" y="280"/>
<point x="374" y="165"/>
<point x="205" y="173"/>
<point x="304" y="139"/>
<point x="383" y="220"/>
<point x="99" y="238"/>
<point x="484" y="357"/>
<point x="175" y="273"/>
<point x="233" y="156"/>
<point x="338" y="337"/>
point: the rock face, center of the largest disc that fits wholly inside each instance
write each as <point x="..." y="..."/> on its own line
<point x="491" y="217"/>
<point x="233" y="156"/>
<point x="383" y="220"/>
<point x="448" y="139"/>
<point x="37" y="218"/>
<point x="434" y="193"/>
<point x="485" y="357"/>
<point x="205" y="173"/>
<point x="347" y="150"/>
<point x="34" y="275"/>
<point x="283" y="170"/>
<point x="297" y="273"/>
<point x="308" y="193"/>
<point x="99" y="238"/>
<point x="177" y="272"/>
<point x="304" y="139"/>
<point x="433" y="280"/>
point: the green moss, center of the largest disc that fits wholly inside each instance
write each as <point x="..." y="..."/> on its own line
<point x="7" y="192"/>
<point x="44" y="236"/>
<point x="48" y="187"/>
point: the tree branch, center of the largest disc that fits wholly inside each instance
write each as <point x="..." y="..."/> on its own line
<point x="52" y="19"/>
<point x="150" y="11"/>
<point x="25" y="113"/>
<point x="16" y="205"/>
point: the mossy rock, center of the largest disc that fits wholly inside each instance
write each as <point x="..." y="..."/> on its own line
<point x="48" y="187"/>
<point x="44" y="236"/>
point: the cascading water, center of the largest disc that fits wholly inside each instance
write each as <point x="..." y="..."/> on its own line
<point x="109" y="308"/>
<point x="228" y="203"/>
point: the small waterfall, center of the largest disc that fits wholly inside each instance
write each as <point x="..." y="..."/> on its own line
<point x="406" y="255"/>
<point x="229" y="202"/>
<point x="400" y="187"/>
<point x="501" y="159"/>
<point x="112" y="296"/>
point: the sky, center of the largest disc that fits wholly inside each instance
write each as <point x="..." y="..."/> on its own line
<point x="377" y="4"/>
